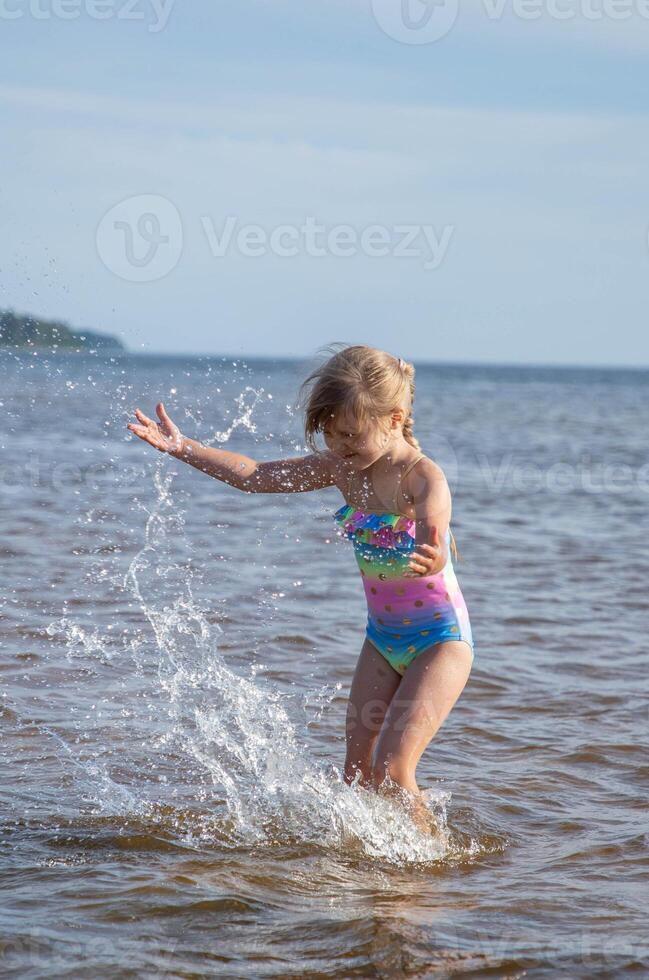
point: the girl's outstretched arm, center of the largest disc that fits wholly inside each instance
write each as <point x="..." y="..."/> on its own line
<point x="295" y="475"/>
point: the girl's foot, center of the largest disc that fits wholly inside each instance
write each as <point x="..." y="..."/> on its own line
<point x="413" y="803"/>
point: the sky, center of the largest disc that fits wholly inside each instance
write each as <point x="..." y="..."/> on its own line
<point x="448" y="181"/>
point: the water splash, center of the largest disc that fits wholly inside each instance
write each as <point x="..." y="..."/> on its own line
<point x="227" y="761"/>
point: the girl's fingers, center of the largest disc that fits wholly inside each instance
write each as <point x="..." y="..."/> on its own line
<point x="162" y="414"/>
<point x="161" y="435"/>
<point x="432" y="553"/>
<point x="144" y="418"/>
<point x="168" y="426"/>
<point x="145" y="434"/>
<point x="418" y="567"/>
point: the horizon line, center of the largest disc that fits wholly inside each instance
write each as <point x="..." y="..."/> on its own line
<point x="293" y="358"/>
<point x="417" y="361"/>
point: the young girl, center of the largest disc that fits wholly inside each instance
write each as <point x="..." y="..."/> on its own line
<point x="418" y="648"/>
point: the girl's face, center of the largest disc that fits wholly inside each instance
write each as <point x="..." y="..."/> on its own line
<point x="359" y="445"/>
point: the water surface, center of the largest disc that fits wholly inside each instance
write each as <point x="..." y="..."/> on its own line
<point x="175" y="659"/>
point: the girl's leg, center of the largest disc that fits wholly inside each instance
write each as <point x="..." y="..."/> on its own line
<point x="373" y="686"/>
<point x="429" y="688"/>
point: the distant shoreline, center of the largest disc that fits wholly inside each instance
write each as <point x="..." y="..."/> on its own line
<point x="23" y="332"/>
<point x="26" y="333"/>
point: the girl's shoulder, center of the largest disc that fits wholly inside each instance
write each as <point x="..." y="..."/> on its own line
<point x="425" y="467"/>
<point x="422" y="466"/>
<point x="424" y="477"/>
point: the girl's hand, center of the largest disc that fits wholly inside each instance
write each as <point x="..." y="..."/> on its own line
<point x="426" y="559"/>
<point x="162" y="435"/>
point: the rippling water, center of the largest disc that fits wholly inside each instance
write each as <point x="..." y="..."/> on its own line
<point x="175" y="659"/>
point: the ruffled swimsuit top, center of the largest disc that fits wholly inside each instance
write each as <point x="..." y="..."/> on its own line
<point x="386" y="532"/>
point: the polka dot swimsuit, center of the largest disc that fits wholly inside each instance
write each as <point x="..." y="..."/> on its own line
<point x="405" y="616"/>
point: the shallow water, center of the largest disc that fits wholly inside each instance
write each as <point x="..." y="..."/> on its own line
<point x="175" y="660"/>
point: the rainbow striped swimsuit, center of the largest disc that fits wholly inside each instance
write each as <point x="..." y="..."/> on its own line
<point x="405" y="616"/>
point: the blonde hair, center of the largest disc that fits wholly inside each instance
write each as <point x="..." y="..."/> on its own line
<point x="365" y="383"/>
<point x="360" y="380"/>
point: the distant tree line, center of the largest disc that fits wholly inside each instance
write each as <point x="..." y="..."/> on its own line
<point x="28" y="331"/>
